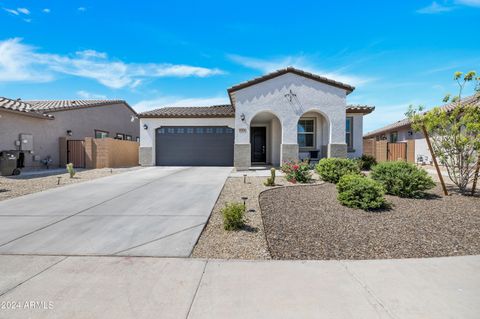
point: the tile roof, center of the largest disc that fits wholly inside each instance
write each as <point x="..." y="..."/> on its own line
<point x="61" y="105"/>
<point x="364" y="109"/>
<point x="191" y="112"/>
<point x="22" y="107"/>
<point x="226" y="110"/>
<point x="290" y="69"/>
<point x="471" y="100"/>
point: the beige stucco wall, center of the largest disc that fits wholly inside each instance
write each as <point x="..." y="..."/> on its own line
<point x="82" y="122"/>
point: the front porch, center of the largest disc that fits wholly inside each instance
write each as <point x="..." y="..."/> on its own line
<point x="271" y="144"/>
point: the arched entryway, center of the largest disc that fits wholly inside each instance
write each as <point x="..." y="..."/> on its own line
<point x="313" y="135"/>
<point x="265" y="139"/>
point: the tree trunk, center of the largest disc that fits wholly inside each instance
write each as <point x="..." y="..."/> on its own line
<point x="475" y="176"/>
<point x="434" y="158"/>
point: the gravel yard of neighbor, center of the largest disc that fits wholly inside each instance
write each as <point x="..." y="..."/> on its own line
<point x="307" y="222"/>
<point x="14" y="186"/>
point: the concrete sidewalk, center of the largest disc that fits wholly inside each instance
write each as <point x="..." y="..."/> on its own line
<point x="127" y="287"/>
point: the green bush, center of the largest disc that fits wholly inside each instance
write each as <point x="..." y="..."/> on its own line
<point x="357" y="191"/>
<point x="233" y="216"/>
<point x="366" y="162"/>
<point x="70" y="170"/>
<point x="332" y="169"/>
<point x="271" y="180"/>
<point x="297" y="171"/>
<point x="402" y="179"/>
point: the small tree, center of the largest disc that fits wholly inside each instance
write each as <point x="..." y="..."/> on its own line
<point x="454" y="133"/>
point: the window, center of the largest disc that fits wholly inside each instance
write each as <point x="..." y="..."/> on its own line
<point x="349" y="133"/>
<point x="119" y="136"/>
<point x="101" y="134"/>
<point x="209" y="130"/>
<point x="393" y="137"/>
<point x="180" y="130"/>
<point x="306" y="133"/>
<point x="219" y="130"/>
<point x="199" y="130"/>
<point x="128" y="137"/>
<point x="190" y="130"/>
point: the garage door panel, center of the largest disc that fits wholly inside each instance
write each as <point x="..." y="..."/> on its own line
<point x="194" y="146"/>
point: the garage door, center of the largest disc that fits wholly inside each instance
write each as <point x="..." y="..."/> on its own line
<point x="194" y="146"/>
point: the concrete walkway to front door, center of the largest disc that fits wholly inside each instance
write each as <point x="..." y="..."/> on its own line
<point x="126" y="287"/>
<point x="156" y="211"/>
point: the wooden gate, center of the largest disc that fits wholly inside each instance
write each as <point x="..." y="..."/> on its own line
<point x="76" y="153"/>
<point x="396" y="151"/>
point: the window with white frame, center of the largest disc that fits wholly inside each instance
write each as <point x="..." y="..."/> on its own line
<point x="349" y="132"/>
<point x="306" y="133"/>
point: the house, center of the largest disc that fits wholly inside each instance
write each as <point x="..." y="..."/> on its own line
<point x="36" y="128"/>
<point x="402" y="132"/>
<point x="286" y="115"/>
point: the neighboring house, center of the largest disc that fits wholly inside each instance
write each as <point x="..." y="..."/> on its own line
<point x="35" y="127"/>
<point x="282" y="116"/>
<point x="401" y="131"/>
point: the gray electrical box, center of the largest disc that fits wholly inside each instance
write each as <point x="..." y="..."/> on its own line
<point x="26" y="141"/>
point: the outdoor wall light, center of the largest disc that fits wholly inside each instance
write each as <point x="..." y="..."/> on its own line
<point x="145" y="126"/>
<point x="242" y="117"/>
<point x="69" y="132"/>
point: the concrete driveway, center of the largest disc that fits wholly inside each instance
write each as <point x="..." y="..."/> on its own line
<point x="156" y="211"/>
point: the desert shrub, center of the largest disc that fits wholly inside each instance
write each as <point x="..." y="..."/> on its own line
<point x="297" y="171"/>
<point x="271" y="180"/>
<point x="70" y="170"/>
<point x="332" y="169"/>
<point x="233" y="216"/>
<point x="357" y="191"/>
<point x="366" y="162"/>
<point x="402" y="179"/>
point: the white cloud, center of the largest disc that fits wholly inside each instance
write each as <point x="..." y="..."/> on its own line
<point x="23" y="10"/>
<point x="300" y="62"/>
<point x="434" y="8"/>
<point x="46" y="10"/>
<point x="471" y="3"/>
<point x="82" y="9"/>
<point x="90" y="96"/>
<point x="16" y="63"/>
<point x="21" y="62"/>
<point x="12" y="11"/>
<point x="173" y="101"/>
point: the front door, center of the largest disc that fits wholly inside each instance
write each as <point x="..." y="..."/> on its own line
<point x="258" y="137"/>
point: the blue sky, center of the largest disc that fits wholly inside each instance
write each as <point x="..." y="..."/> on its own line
<point x="156" y="53"/>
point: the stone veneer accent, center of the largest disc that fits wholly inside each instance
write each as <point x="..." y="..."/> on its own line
<point x="242" y="156"/>
<point x="146" y="156"/>
<point x="289" y="152"/>
<point x="337" y="150"/>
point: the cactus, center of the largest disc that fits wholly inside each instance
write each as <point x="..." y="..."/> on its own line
<point x="70" y="170"/>
<point x="271" y="180"/>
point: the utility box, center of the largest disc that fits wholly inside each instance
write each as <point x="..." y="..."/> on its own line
<point x="26" y="141"/>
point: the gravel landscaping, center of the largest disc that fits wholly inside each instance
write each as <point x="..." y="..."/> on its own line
<point x="247" y="243"/>
<point x="307" y="222"/>
<point x="14" y="186"/>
